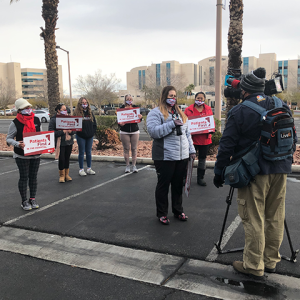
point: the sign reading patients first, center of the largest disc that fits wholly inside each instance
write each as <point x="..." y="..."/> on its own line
<point x="38" y="142"/>
<point x="69" y="123"/>
<point x="128" y="115"/>
<point x="200" y="125"/>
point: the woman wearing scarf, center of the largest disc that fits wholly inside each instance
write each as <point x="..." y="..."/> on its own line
<point x="63" y="142"/>
<point x="28" y="165"/>
<point x="129" y="134"/>
<point x="201" y="141"/>
<point x="85" y="137"/>
<point x="172" y="147"/>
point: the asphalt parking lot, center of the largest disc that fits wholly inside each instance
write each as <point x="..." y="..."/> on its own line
<point x="97" y="237"/>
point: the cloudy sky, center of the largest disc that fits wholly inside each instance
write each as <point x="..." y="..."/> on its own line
<point x="118" y="35"/>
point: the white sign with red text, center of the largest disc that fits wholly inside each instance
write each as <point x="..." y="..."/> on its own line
<point x="128" y="115"/>
<point x="69" y="123"/>
<point x="38" y="142"/>
<point x="200" y="125"/>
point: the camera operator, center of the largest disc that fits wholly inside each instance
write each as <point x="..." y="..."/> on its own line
<point x="172" y="146"/>
<point x="261" y="205"/>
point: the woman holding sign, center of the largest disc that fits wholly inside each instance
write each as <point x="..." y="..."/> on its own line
<point x="63" y="143"/>
<point x="85" y="137"/>
<point x="172" y="147"/>
<point x="129" y="133"/>
<point x="201" y="141"/>
<point x="28" y="165"/>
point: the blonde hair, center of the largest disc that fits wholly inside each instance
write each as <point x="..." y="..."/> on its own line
<point x="163" y="104"/>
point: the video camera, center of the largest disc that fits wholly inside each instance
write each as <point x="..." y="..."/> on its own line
<point x="175" y="116"/>
<point x="233" y="89"/>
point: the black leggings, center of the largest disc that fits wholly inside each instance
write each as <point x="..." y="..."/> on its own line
<point x="28" y="169"/>
<point x="202" y="153"/>
<point x="64" y="157"/>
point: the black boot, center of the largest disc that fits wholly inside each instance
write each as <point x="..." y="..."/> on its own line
<point x="200" y="176"/>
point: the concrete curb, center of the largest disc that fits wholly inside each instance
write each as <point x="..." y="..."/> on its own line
<point x="140" y="160"/>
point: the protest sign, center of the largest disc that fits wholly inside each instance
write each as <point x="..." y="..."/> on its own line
<point x="189" y="173"/>
<point x="200" y="125"/>
<point x="38" y="142"/>
<point x="128" y="115"/>
<point x="69" y="123"/>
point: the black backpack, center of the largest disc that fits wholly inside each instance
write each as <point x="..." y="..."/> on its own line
<point x="277" y="130"/>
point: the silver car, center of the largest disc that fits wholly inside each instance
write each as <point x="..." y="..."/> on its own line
<point x="43" y="115"/>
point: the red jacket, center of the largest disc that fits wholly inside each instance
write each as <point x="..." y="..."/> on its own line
<point x="200" y="139"/>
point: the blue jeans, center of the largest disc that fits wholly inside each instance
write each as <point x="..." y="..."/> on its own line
<point x="84" y="145"/>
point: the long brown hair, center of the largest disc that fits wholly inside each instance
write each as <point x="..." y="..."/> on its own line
<point x="79" y="109"/>
<point x="163" y="104"/>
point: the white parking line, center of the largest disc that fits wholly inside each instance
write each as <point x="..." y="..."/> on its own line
<point x="171" y="271"/>
<point x="11" y="171"/>
<point x="69" y="197"/>
<point x="212" y="256"/>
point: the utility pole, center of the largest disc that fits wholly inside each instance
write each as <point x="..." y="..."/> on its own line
<point x="218" y="61"/>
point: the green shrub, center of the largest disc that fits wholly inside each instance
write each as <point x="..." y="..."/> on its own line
<point x="107" y="121"/>
<point x="107" y="137"/>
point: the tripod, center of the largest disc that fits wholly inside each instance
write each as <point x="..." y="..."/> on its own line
<point x="222" y="251"/>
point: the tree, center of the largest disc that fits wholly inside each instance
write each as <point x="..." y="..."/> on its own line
<point x="235" y="42"/>
<point x="100" y="89"/>
<point x="189" y="88"/>
<point x="50" y="15"/>
<point x="7" y="94"/>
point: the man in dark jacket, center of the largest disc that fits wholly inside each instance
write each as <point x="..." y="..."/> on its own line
<point x="261" y="205"/>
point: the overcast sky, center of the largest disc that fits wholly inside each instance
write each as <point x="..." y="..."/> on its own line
<point x="118" y="35"/>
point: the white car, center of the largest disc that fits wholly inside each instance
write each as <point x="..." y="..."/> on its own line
<point x="43" y="115"/>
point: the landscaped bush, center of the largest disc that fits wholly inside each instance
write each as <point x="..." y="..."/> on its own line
<point x="107" y="137"/>
<point x="215" y="138"/>
<point x="107" y="121"/>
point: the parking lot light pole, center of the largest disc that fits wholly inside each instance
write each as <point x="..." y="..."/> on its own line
<point x="71" y="104"/>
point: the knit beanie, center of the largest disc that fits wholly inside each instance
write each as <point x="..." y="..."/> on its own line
<point x="21" y="103"/>
<point x="254" y="81"/>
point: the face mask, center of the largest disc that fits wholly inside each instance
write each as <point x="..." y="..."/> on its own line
<point x="63" y="112"/>
<point x="84" y="105"/>
<point x="199" y="103"/>
<point x="171" y="101"/>
<point x="26" y="111"/>
<point x="129" y="102"/>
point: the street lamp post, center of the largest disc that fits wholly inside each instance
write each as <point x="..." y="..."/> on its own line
<point x="71" y="104"/>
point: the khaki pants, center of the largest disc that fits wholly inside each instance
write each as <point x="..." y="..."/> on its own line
<point x="262" y="210"/>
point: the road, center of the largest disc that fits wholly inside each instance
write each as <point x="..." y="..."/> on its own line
<point x="4" y="124"/>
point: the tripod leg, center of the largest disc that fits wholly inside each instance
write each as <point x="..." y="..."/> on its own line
<point x="228" y="201"/>
<point x="294" y="253"/>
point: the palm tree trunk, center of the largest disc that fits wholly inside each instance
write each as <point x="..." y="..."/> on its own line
<point x="235" y="42"/>
<point x="50" y="15"/>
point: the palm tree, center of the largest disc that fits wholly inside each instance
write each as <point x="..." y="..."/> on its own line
<point x="235" y="42"/>
<point x="50" y="15"/>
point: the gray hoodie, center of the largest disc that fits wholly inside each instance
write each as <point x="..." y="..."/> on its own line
<point x="167" y="145"/>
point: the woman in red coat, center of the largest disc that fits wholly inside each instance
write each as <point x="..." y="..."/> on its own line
<point x="201" y="141"/>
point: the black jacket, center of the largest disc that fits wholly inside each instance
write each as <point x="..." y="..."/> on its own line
<point x="88" y="127"/>
<point x="242" y="129"/>
<point x="60" y="133"/>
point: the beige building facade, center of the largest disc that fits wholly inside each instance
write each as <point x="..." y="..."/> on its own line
<point x="29" y="83"/>
<point x="202" y="74"/>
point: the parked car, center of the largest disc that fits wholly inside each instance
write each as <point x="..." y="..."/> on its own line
<point x="94" y="109"/>
<point x="107" y="108"/>
<point x="144" y="111"/>
<point x="43" y="115"/>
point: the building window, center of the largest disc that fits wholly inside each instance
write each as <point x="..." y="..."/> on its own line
<point x="143" y="77"/>
<point x="211" y="75"/>
<point x="157" y="74"/>
<point x="140" y="79"/>
<point x="245" y="65"/>
<point x="30" y="73"/>
<point x="168" y="73"/>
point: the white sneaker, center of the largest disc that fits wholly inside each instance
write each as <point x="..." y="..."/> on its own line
<point x="134" y="169"/>
<point x="82" y="173"/>
<point x="127" y="170"/>
<point x="90" y="171"/>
